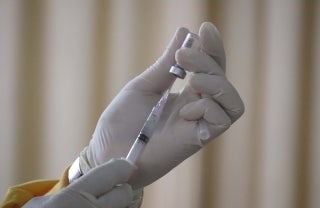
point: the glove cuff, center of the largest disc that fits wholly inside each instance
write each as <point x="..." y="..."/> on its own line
<point x="74" y="171"/>
<point x="79" y="167"/>
<point x="83" y="161"/>
<point x="137" y="198"/>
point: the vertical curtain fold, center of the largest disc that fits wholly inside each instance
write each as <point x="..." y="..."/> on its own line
<point x="30" y="94"/>
<point x="313" y="182"/>
<point x="10" y="27"/>
<point x="306" y="94"/>
<point x="69" y="35"/>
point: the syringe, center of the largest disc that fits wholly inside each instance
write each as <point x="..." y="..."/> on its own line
<point x="191" y="41"/>
<point x="148" y="128"/>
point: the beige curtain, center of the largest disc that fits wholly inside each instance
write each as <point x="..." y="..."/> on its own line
<point x="62" y="62"/>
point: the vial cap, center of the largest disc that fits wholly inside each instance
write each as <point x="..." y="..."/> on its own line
<point x="178" y="72"/>
<point x="191" y="41"/>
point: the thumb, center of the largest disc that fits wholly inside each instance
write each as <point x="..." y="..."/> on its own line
<point x="157" y="77"/>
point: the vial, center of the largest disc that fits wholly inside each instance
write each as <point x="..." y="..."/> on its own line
<point x="191" y="41"/>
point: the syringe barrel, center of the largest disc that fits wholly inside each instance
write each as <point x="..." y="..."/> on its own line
<point x="137" y="148"/>
<point x="191" y="41"/>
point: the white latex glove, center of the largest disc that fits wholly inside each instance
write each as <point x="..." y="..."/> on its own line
<point x="175" y="139"/>
<point x="97" y="189"/>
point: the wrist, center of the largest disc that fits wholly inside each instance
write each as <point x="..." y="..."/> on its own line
<point x="79" y="167"/>
<point x="84" y="162"/>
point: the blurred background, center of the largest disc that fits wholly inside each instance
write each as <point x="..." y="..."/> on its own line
<point x="62" y="62"/>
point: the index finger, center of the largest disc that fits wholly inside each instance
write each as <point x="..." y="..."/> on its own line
<point x="211" y="43"/>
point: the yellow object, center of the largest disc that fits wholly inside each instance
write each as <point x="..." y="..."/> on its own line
<point x="18" y="195"/>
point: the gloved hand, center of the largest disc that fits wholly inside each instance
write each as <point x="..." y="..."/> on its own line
<point x="98" y="188"/>
<point x="175" y="138"/>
